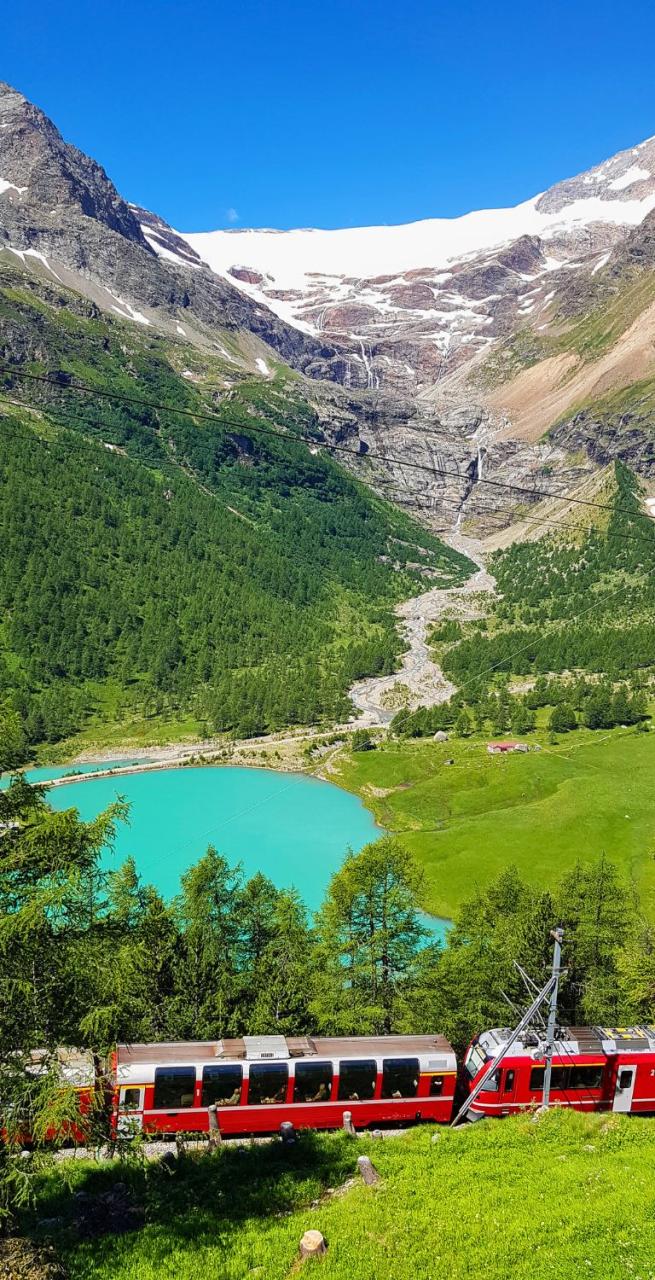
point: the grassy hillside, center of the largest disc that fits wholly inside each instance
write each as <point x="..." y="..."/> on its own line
<point x="588" y="794"/>
<point x="580" y="610"/>
<point x="568" y="1196"/>
<point x="162" y="564"/>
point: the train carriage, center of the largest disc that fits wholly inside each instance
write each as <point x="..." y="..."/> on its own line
<point x="259" y="1082"/>
<point x="594" y="1069"/>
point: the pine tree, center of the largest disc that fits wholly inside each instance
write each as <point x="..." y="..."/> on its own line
<point x="368" y="936"/>
<point x="562" y="718"/>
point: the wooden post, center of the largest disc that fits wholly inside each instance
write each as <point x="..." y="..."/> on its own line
<point x="348" y="1124"/>
<point x="312" y="1245"/>
<point x="214" y="1128"/>
<point x="368" y="1170"/>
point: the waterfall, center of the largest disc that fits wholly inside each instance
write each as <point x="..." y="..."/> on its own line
<point x="370" y="375"/>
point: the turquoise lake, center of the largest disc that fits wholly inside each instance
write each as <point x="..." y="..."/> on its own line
<point x="294" y="829"/>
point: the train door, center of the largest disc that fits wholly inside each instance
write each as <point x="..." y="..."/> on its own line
<point x="625" y="1087"/>
<point x="507" y="1091"/>
<point x="130" y="1109"/>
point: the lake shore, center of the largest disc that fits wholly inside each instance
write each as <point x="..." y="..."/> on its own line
<point x="325" y="773"/>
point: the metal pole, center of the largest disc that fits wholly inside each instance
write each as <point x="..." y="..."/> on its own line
<point x="557" y="934"/>
<point x="525" y="1020"/>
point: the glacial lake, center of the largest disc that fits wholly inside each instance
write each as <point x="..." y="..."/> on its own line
<point x="294" y="829"/>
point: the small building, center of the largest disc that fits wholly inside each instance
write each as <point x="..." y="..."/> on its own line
<point x="502" y="748"/>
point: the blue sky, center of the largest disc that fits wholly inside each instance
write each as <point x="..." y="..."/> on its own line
<point x="336" y="114"/>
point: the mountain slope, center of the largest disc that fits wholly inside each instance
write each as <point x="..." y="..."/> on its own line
<point x="496" y="343"/>
<point x="180" y="558"/>
<point x="59" y="209"/>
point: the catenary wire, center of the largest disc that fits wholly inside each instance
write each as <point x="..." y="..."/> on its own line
<point x="64" y="418"/>
<point x="310" y="441"/>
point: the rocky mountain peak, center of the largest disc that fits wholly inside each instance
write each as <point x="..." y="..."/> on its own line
<point x="61" y="214"/>
<point x="37" y="167"/>
<point x="628" y="176"/>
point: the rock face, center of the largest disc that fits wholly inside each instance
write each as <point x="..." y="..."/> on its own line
<point x="430" y="460"/>
<point x="388" y="325"/>
<point x="58" y="208"/>
<point x="605" y="437"/>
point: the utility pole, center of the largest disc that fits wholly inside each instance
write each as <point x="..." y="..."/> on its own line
<point x="548" y="992"/>
<point x="557" y="934"/>
<point x="502" y="1053"/>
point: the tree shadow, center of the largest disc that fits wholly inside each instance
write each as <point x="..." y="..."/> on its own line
<point x="199" y="1199"/>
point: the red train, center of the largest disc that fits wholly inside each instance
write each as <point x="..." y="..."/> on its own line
<point x="594" y="1069"/>
<point x="257" y="1083"/>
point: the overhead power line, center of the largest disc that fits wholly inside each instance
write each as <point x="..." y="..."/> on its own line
<point x="414" y="497"/>
<point x="310" y="441"/>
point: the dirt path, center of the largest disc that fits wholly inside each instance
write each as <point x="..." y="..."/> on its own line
<point x="425" y="681"/>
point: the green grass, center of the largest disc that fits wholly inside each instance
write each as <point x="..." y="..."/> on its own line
<point x="568" y="1196"/>
<point x="100" y="735"/>
<point x="589" y="794"/>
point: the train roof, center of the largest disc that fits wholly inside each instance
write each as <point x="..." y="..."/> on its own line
<point x="280" y="1048"/>
<point x="74" y="1066"/>
<point x="576" y="1040"/>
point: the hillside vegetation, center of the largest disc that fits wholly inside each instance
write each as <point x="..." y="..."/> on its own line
<point x="586" y="794"/>
<point x="563" y="661"/>
<point x="584" y="603"/>
<point x="88" y="957"/>
<point x="569" y="1195"/>
<point x="164" y="562"/>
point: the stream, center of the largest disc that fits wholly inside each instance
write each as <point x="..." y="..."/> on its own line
<point x="425" y="681"/>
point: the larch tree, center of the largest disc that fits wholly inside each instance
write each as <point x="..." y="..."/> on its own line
<point x="369" y="934"/>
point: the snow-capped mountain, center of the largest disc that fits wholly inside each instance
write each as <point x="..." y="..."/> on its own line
<point x="487" y="342"/>
<point x="405" y="305"/>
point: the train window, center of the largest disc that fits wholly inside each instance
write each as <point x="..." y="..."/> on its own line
<point x="474" y="1059"/>
<point x="509" y="1081"/>
<point x="357" y="1080"/>
<point x="268" y="1083"/>
<point x="221" y="1086"/>
<point x="130" y="1099"/>
<point x="625" y="1078"/>
<point x="313" y="1082"/>
<point x="400" y="1077"/>
<point x="492" y="1085"/>
<point x="436" y="1086"/>
<point x="558" y="1080"/>
<point x="174" y="1087"/>
<point x="585" y="1078"/>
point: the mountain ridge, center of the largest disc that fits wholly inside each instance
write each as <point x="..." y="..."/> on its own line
<point x="414" y="301"/>
<point x="453" y="368"/>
